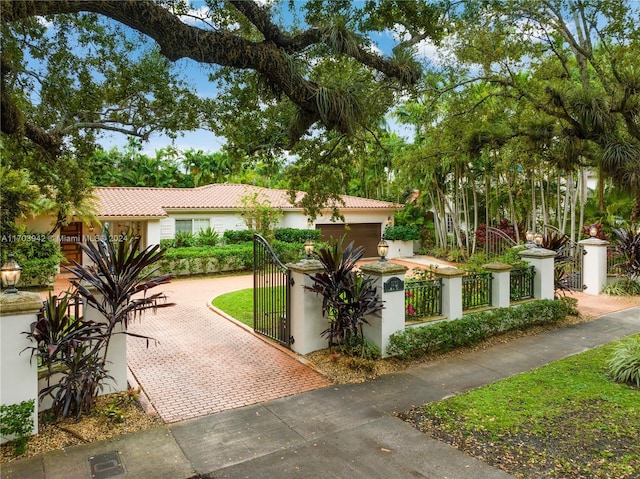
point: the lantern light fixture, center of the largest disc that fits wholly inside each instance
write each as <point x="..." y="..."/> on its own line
<point x="10" y="273"/>
<point x="593" y="231"/>
<point x="529" y="236"/>
<point x="383" y="249"/>
<point x="538" y="240"/>
<point x="309" y="247"/>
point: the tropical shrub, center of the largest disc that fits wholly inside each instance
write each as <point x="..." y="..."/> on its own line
<point x="111" y="284"/>
<point x="471" y="329"/>
<point x="624" y="365"/>
<point x="38" y="255"/>
<point x="347" y="296"/>
<point x="627" y="247"/>
<point x="184" y="239"/>
<point x="623" y="287"/>
<point x="207" y="237"/>
<point x="504" y="225"/>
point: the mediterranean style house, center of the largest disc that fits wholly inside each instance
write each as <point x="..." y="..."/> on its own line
<point x="159" y="213"/>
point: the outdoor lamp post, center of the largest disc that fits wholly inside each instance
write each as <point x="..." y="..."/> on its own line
<point x="383" y="249"/>
<point x="10" y="274"/>
<point x="529" y="235"/>
<point x="308" y="248"/>
<point x="538" y="240"/>
<point x="593" y="231"/>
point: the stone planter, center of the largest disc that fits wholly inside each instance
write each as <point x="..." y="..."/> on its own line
<point x="400" y="249"/>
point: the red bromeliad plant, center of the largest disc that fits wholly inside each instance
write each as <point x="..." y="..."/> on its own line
<point x="347" y="296"/>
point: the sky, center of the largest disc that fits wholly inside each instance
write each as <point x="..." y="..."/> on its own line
<point x="196" y="75"/>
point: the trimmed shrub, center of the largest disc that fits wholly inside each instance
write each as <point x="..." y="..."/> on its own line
<point x="296" y="235"/>
<point x="401" y="233"/>
<point x="624" y="366"/>
<point x="471" y="329"/>
<point x="237" y="236"/>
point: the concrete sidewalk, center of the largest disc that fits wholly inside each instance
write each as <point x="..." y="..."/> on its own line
<point x="334" y="432"/>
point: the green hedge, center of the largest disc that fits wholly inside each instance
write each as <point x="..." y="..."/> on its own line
<point x="401" y="233"/>
<point x="287" y="235"/>
<point x="295" y="235"/>
<point x="471" y="329"/>
<point x="239" y="236"/>
<point x="216" y="259"/>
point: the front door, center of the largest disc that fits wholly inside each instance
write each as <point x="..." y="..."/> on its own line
<point x="70" y="239"/>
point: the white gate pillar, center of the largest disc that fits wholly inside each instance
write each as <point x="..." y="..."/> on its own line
<point x="544" y="280"/>
<point x="594" y="271"/>
<point x="501" y="284"/>
<point x="18" y="371"/>
<point x="389" y="283"/>
<point x="307" y="322"/>
<point x="451" y="291"/>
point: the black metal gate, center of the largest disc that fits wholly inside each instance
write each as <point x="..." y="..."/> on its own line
<point x="569" y="263"/>
<point x="271" y="294"/>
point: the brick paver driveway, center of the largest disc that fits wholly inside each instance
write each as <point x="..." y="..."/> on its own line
<point x="204" y="363"/>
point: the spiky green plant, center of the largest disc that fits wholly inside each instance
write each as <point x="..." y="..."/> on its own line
<point x="624" y="365"/>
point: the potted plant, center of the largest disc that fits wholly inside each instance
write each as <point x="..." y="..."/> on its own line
<point x="400" y="240"/>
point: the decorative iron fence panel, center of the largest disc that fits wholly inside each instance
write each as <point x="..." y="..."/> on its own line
<point x="496" y="242"/>
<point x="476" y="290"/>
<point x="521" y="283"/>
<point x="614" y="261"/>
<point x="423" y="299"/>
<point x="271" y="294"/>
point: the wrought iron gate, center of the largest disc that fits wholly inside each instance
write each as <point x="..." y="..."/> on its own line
<point x="569" y="262"/>
<point x="271" y="294"/>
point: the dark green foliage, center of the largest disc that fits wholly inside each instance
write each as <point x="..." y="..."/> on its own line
<point x="624" y="365"/>
<point x="16" y="420"/>
<point x="471" y="329"/>
<point x="347" y="296"/>
<point x="207" y="237"/>
<point x="184" y="239"/>
<point x="296" y="235"/>
<point x="240" y="236"/>
<point x="627" y="246"/>
<point x="37" y="254"/>
<point x="287" y="235"/>
<point x="401" y="233"/>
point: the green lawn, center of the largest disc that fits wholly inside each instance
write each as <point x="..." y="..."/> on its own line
<point x="566" y="419"/>
<point x="238" y="305"/>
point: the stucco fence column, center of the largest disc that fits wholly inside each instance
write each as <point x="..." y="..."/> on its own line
<point x="451" y="291"/>
<point x="594" y="267"/>
<point x="19" y="371"/>
<point x="117" y="353"/>
<point x="307" y="323"/>
<point x="543" y="281"/>
<point x="500" y="284"/>
<point x="389" y="283"/>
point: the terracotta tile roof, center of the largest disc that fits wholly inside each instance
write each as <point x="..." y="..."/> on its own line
<point x="156" y="202"/>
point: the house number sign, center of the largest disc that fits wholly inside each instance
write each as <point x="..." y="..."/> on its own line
<point x="393" y="284"/>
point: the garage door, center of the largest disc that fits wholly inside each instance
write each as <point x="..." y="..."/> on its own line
<point x="362" y="234"/>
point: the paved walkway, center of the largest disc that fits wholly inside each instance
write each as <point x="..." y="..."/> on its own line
<point x="204" y="363"/>
<point x="346" y="431"/>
